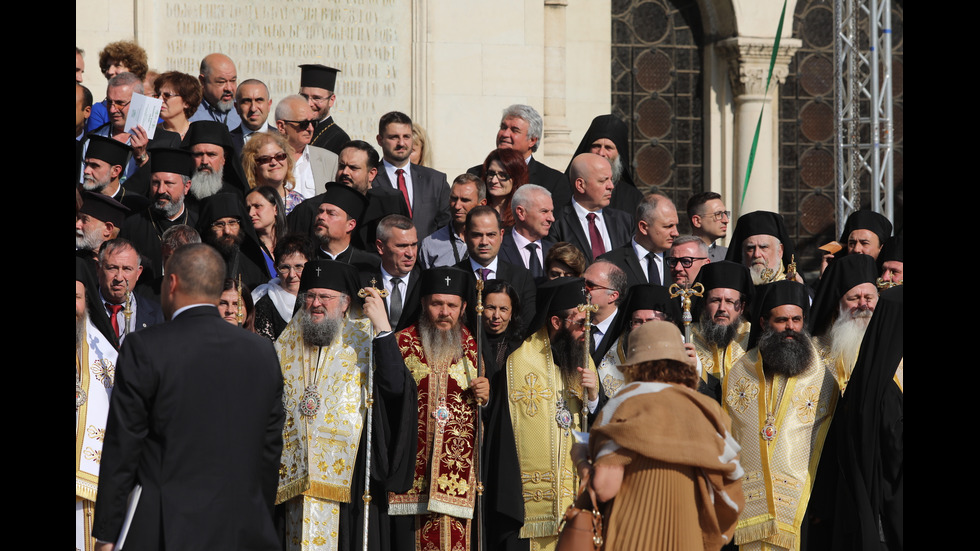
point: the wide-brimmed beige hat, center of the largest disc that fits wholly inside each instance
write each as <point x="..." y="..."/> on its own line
<point x="656" y="340"/>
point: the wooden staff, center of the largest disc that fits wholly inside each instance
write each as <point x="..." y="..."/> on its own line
<point x="370" y="417"/>
<point x="589" y="309"/>
<point x="696" y="290"/>
<point x="127" y="313"/>
<point x="481" y="370"/>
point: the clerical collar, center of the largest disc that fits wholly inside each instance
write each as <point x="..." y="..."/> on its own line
<point x="334" y="256"/>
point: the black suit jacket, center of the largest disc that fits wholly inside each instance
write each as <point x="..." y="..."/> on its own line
<point x="357" y="258"/>
<point x="413" y="302"/>
<point x="625" y="257"/>
<point x="519" y="278"/>
<point x="509" y="252"/>
<point x="195" y="418"/>
<point x="567" y="228"/>
<point x="430" y="197"/>
<point x="545" y="176"/>
<point x="238" y="138"/>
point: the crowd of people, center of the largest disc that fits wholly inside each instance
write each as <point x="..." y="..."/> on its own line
<point x="285" y="339"/>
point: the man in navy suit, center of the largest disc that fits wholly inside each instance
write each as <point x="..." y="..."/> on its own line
<point x="425" y="191"/>
<point x="588" y="222"/>
<point x="483" y="238"/>
<point x="119" y="268"/>
<point x="642" y="258"/>
<point x="201" y="438"/>
<point x="254" y="104"/>
<point x="525" y="244"/>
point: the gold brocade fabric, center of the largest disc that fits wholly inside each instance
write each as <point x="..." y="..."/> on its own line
<point x="534" y="385"/>
<point x="717" y="362"/>
<point x="319" y="452"/>
<point x="609" y="374"/>
<point x="779" y="473"/>
<point x="312" y="524"/>
<point x="900" y="375"/>
<point x="838" y="369"/>
<point x="95" y="364"/>
<point x="443" y="491"/>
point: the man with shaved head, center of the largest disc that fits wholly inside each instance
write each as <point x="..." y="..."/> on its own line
<point x="588" y="222"/>
<point x="176" y="413"/>
<point x="219" y="80"/>
<point x="643" y="258"/>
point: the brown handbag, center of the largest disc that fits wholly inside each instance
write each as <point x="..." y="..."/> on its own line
<point x="581" y="527"/>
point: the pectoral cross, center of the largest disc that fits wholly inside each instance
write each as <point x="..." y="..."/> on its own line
<point x="362" y="293"/>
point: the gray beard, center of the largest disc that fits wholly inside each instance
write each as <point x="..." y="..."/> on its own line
<point x="785" y="357"/>
<point x="716" y="333"/>
<point x="170" y="208"/>
<point x="224" y="106"/>
<point x="442" y="347"/>
<point x="87" y="241"/>
<point x="569" y="355"/>
<point x="93" y="185"/>
<point x="846" y="335"/>
<point x="204" y="184"/>
<point x="617" y="169"/>
<point x="319" y="333"/>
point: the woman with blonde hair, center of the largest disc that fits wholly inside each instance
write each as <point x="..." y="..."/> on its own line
<point x="268" y="161"/>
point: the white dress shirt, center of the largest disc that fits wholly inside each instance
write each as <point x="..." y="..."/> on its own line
<point x="600" y="223"/>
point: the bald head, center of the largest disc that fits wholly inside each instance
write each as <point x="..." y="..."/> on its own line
<point x="290" y="113"/>
<point x="198" y="272"/>
<point x="219" y="78"/>
<point x="591" y="179"/>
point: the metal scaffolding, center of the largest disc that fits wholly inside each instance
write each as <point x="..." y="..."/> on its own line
<point x="864" y="123"/>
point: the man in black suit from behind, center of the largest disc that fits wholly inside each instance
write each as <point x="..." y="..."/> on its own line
<point x="521" y="127"/>
<point x="424" y="190"/>
<point x="483" y="237"/>
<point x="195" y="421"/>
<point x="588" y="222"/>
<point x="642" y="258"/>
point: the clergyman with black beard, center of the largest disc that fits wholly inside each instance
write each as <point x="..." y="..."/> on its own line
<point x="781" y="398"/>
<point x="224" y="225"/>
<point x="721" y="336"/>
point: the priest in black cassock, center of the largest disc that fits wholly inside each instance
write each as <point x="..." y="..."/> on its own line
<point x="317" y="84"/>
<point x="170" y="176"/>
<point x="225" y="225"/>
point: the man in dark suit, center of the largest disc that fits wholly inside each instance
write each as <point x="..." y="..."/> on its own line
<point x="589" y="223"/>
<point x="254" y="104"/>
<point x="483" y="237"/>
<point x="521" y="127"/>
<point x="425" y="191"/>
<point x="525" y="244"/>
<point x="118" y="270"/>
<point x="606" y="283"/>
<point x="642" y="258"/>
<point x="399" y="271"/>
<point x="201" y="438"/>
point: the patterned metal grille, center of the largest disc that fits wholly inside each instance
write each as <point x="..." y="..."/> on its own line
<point x="806" y="128"/>
<point x="657" y="90"/>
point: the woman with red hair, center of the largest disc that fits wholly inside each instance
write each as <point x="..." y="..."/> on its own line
<point x="504" y="172"/>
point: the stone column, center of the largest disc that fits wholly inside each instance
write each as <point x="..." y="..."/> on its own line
<point x="556" y="131"/>
<point x="748" y="68"/>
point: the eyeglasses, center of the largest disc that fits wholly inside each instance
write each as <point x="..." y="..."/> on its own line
<point x="718" y="215"/>
<point x="501" y="176"/>
<point x="317" y="99"/>
<point x="574" y="322"/>
<point x="286" y="268"/>
<point x="266" y="159"/>
<point x="222" y="225"/>
<point x="686" y="261"/>
<point x="166" y="95"/>
<point x="303" y="123"/>
<point x="117" y="103"/>
<point x="324" y="298"/>
<point x="657" y="316"/>
<point x="555" y="273"/>
<point x="592" y="286"/>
